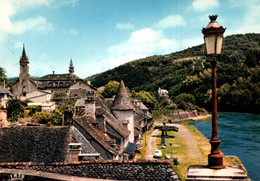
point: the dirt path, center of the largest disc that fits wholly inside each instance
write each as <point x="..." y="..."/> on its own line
<point x="151" y="145"/>
<point x="187" y="137"/>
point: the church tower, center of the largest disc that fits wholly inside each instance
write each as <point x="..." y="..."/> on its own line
<point x="71" y="67"/>
<point x="24" y="74"/>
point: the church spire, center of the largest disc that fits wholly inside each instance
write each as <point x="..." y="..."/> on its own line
<point x="24" y="57"/>
<point x="71" y="67"/>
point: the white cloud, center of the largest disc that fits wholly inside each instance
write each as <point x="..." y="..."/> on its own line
<point x="60" y="3"/>
<point x="201" y="5"/>
<point x="250" y="21"/>
<point x="73" y="32"/>
<point x="171" y="22"/>
<point x="142" y="43"/>
<point x="10" y="8"/>
<point x="125" y="26"/>
<point x="38" y="24"/>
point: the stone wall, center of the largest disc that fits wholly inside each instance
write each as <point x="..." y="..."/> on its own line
<point x="118" y="170"/>
<point x="180" y="115"/>
<point x="36" y="144"/>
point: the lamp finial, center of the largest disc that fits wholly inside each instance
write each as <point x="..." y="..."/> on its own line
<point x="213" y="18"/>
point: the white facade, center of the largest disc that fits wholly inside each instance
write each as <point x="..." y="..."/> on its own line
<point x="127" y="115"/>
<point x="48" y="106"/>
<point x="81" y="85"/>
<point x="38" y="96"/>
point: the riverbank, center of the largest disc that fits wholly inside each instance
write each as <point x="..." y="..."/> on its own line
<point x="239" y="133"/>
<point x="189" y="147"/>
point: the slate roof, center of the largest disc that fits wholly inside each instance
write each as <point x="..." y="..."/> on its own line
<point x="80" y="103"/>
<point x="113" y="122"/>
<point x="130" y="148"/>
<point x="86" y="146"/>
<point x="24" y="58"/>
<point x="98" y="135"/>
<point x="4" y="91"/>
<point x="59" y="95"/>
<point x="103" y="110"/>
<point x="122" y="100"/>
<point x="57" y="77"/>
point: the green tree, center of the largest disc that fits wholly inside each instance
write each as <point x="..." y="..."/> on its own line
<point x="2" y="76"/>
<point x="164" y="129"/>
<point x="14" y="109"/>
<point x="42" y="117"/>
<point x="252" y="58"/>
<point x="184" y="97"/>
<point x="49" y="118"/>
<point x="146" y="98"/>
<point x="110" y="89"/>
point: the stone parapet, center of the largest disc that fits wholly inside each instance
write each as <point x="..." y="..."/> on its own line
<point x="117" y="170"/>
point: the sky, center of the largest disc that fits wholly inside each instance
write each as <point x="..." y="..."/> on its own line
<point x="102" y="34"/>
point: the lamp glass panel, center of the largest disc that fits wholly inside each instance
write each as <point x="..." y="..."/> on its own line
<point x="210" y="44"/>
<point x="219" y="44"/>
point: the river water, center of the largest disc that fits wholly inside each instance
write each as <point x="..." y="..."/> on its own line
<point x="240" y="136"/>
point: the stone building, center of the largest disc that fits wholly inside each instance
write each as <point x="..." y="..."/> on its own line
<point x="5" y="95"/>
<point x="61" y="86"/>
<point x="162" y="92"/>
<point x="112" y="126"/>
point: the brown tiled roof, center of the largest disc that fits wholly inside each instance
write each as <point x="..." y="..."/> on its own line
<point x="102" y="109"/>
<point x="122" y="100"/>
<point x="98" y="135"/>
<point x="113" y="122"/>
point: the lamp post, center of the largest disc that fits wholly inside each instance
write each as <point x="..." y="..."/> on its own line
<point x="213" y="38"/>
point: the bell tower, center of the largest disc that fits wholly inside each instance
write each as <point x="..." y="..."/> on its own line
<point x="71" y="67"/>
<point x="24" y="74"/>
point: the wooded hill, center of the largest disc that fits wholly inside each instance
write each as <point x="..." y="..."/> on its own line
<point x="188" y="71"/>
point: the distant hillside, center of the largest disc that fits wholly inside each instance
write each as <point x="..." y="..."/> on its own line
<point x="238" y="74"/>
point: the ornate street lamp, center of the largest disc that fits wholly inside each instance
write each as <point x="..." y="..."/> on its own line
<point x="213" y="37"/>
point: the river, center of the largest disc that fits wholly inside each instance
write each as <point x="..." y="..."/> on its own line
<point x="240" y="136"/>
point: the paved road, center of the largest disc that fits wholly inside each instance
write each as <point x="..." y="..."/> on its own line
<point x="151" y="145"/>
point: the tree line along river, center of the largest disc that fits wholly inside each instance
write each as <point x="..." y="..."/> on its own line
<point x="240" y="136"/>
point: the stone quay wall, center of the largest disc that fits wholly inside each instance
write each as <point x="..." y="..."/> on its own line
<point x="117" y="170"/>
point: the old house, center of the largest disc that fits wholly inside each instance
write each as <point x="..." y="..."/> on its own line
<point x="61" y="86"/>
<point x="5" y="95"/>
<point x="162" y="92"/>
<point x="119" y="123"/>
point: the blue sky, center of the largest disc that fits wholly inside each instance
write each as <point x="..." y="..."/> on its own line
<point x="101" y="34"/>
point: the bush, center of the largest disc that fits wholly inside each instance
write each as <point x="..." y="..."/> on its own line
<point x="45" y="117"/>
<point x="33" y="109"/>
<point x="14" y="109"/>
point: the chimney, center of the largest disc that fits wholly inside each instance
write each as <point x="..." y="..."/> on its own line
<point x="53" y="72"/>
<point x="90" y="103"/>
